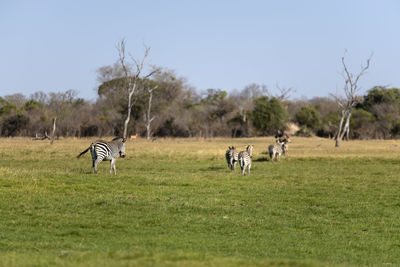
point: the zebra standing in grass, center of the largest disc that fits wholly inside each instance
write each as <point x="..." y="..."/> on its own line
<point x="245" y="159"/>
<point x="275" y="151"/>
<point x="285" y="146"/>
<point x="102" y="150"/>
<point x="231" y="156"/>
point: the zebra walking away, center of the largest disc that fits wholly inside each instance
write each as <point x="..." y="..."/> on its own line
<point x="102" y="150"/>
<point x="231" y="156"/>
<point x="275" y="151"/>
<point x="245" y="159"/>
<point x="285" y="146"/>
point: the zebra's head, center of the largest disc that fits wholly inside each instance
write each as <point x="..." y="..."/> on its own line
<point x="122" y="151"/>
<point x="121" y="145"/>
<point x="249" y="150"/>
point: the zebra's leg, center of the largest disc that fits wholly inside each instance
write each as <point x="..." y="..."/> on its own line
<point x="94" y="166"/>
<point x="112" y="166"/>
<point x="279" y="157"/>
<point x="249" y="167"/>
<point x="97" y="162"/>
<point x="94" y="157"/>
<point x="234" y="165"/>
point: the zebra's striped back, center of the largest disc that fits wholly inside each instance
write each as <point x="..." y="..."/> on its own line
<point x="245" y="159"/>
<point x="101" y="150"/>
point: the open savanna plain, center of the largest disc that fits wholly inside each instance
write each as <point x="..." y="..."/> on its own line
<point x="174" y="202"/>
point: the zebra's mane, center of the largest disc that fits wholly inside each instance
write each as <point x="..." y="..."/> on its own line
<point x="118" y="138"/>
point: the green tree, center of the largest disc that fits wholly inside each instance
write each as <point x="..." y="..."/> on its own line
<point x="268" y="115"/>
<point x="384" y="104"/>
<point x="362" y="124"/>
<point x="309" y="117"/>
<point x="7" y="107"/>
<point x="379" y="95"/>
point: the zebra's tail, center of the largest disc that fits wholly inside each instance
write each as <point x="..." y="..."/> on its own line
<point x="83" y="152"/>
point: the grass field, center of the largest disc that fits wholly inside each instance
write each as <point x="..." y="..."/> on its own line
<point x="174" y="202"/>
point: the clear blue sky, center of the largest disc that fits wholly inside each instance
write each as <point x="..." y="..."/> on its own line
<point x="58" y="45"/>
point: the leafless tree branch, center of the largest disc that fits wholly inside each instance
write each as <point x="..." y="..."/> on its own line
<point x="351" y="99"/>
<point x="131" y="79"/>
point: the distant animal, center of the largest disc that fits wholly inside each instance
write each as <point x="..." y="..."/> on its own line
<point x="231" y="156"/>
<point x="102" y="150"/>
<point x="275" y="151"/>
<point x="281" y="134"/>
<point x="286" y="140"/>
<point x="133" y="136"/>
<point x="245" y="159"/>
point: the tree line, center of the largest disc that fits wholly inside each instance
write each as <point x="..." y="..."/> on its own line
<point x="176" y="109"/>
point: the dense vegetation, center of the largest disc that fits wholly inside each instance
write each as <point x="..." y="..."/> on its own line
<point x="181" y="111"/>
<point x="174" y="202"/>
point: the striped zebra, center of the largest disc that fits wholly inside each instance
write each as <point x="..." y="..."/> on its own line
<point x="275" y="151"/>
<point x="285" y="146"/>
<point x="231" y="156"/>
<point x="102" y="150"/>
<point x="245" y="159"/>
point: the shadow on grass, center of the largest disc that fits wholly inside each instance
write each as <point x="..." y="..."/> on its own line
<point x="213" y="168"/>
<point x="82" y="171"/>
<point x="261" y="159"/>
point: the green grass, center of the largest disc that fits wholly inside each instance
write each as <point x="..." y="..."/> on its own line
<point x="174" y="202"/>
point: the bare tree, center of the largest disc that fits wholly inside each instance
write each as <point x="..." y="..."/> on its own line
<point x="351" y="99"/>
<point x="53" y="131"/>
<point x="284" y="92"/>
<point x="147" y="115"/>
<point x="131" y="77"/>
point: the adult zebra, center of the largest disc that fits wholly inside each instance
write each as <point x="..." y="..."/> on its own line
<point x="102" y="150"/>
<point x="245" y="159"/>
<point x="231" y="156"/>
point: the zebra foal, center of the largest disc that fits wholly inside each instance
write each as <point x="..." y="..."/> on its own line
<point x="245" y="159"/>
<point x="102" y="150"/>
<point x="231" y="156"/>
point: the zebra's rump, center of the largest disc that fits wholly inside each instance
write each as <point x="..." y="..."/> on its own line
<point x="271" y="149"/>
<point x="231" y="154"/>
<point x="101" y="150"/>
<point x="244" y="158"/>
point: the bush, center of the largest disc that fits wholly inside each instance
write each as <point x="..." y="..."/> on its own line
<point x="269" y="115"/>
<point x="362" y="124"/>
<point x="14" y="125"/>
<point x="309" y="117"/>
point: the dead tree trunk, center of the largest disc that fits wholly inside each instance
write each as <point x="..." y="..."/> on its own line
<point x="147" y="115"/>
<point x="54" y="130"/>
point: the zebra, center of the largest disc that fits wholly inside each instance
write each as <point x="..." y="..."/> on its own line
<point x="231" y="156"/>
<point x="283" y="138"/>
<point x="102" y="150"/>
<point x="285" y="146"/>
<point x="275" y="151"/>
<point x="245" y="159"/>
